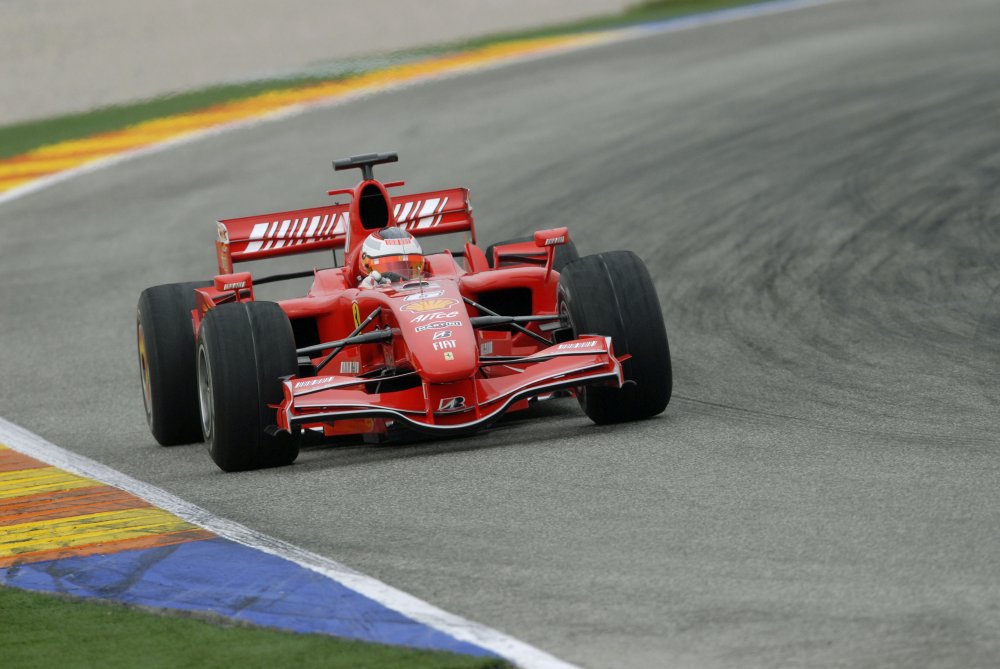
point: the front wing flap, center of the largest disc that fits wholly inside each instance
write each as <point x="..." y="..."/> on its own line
<point x="461" y="406"/>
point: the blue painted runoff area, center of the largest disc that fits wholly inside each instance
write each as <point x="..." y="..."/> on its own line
<point x="226" y="578"/>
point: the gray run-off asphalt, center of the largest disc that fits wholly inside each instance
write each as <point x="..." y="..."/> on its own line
<point x="62" y="56"/>
<point x="818" y="197"/>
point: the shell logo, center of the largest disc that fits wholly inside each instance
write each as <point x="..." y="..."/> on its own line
<point x="429" y="305"/>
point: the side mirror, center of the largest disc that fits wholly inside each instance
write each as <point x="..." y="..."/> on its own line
<point x="553" y="237"/>
<point x="240" y="282"/>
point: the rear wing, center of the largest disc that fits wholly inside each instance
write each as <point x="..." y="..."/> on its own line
<point x="319" y="228"/>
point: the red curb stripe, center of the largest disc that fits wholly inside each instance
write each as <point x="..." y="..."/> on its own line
<point x="66" y="504"/>
<point x="12" y="461"/>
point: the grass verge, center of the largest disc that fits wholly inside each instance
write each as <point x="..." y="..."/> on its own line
<point x="43" y="631"/>
<point x="22" y="137"/>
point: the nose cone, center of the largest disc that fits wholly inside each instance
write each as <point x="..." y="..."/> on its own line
<point x="435" y="324"/>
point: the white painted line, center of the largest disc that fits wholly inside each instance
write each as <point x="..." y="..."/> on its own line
<point x="728" y="15"/>
<point x="518" y="652"/>
<point x="610" y="37"/>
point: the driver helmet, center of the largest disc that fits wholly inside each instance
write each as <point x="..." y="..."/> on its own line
<point x="392" y="252"/>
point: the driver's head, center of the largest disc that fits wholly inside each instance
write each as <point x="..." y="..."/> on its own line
<point x="393" y="253"/>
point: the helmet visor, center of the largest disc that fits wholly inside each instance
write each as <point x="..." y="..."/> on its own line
<point x="398" y="268"/>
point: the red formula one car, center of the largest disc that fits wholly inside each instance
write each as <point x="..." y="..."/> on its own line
<point x="446" y="346"/>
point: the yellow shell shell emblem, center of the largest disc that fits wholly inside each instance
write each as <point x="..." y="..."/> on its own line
<point x="430" y="305"/>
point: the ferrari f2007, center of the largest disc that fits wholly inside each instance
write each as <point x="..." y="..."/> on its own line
<point x="392" y="338"/>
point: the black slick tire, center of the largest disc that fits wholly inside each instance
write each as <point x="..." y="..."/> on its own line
<point x="612" y="294"/>
<point x="166" y="346"/>
<point x="565" y="253"/>
<point x="243" y="351"/>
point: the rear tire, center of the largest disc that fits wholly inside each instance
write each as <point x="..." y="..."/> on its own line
<point x="564" y="255"/>
<point x="612" y="294"/>
<point x="166" y="347"/>
<point x="243" y="351"/>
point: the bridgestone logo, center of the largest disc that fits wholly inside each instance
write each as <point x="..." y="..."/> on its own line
<point x="438" y="325"/>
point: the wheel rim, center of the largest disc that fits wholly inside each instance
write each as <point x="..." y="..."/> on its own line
<point x="205" y="400"/>
<point x="147" y="391"/>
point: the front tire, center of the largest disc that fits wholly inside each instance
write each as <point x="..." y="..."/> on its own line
<point x="612" y="294"/>
<point x="166" y="347"/>
<point x="243" y="351"/>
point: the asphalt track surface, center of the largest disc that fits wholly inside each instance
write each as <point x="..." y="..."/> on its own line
<point x="818" y="197"/>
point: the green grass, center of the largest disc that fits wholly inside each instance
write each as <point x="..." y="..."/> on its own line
<point x="47" y="631"/>
<point x="18" y="138"/>
<point x="22" y="137"/>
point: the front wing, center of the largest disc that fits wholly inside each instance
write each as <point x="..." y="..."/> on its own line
<point x="451" y="408"/>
